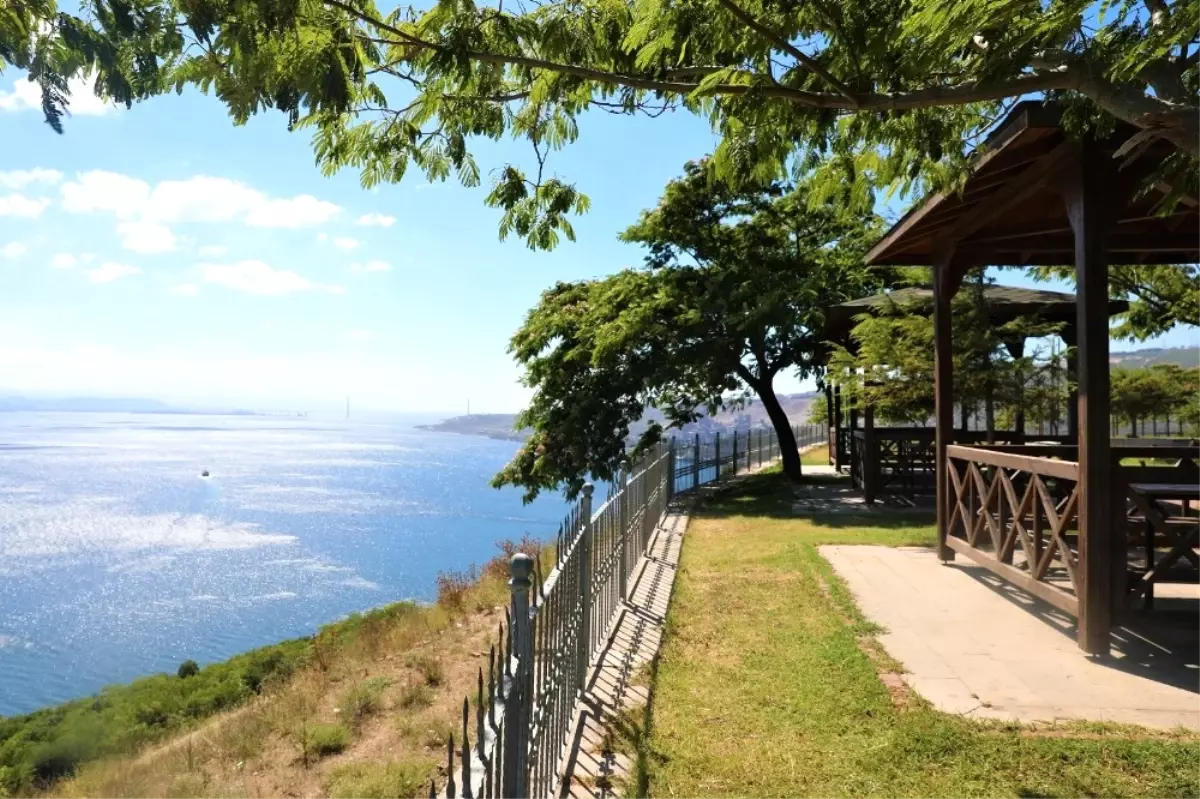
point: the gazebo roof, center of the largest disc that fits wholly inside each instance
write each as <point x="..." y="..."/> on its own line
<point x="1005" y="303"/>
<point x="1011" y="212"/>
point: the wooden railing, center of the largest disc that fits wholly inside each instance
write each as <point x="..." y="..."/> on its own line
<point x="1017" y="515"/>
<point x="1014" y="509"/>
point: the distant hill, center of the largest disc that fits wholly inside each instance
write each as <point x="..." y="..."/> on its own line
<point x="85" y="404"/>
<point x="106" y="405"/>
<point x="488" y="425"/>
<point x="500" y="425"/>
<point x="1136" y="359"/>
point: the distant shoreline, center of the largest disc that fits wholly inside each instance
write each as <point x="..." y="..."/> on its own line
<point x="496" y="426"/>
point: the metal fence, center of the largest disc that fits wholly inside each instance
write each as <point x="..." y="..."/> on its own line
<point x="524" y="708"/>
<point x="703" y="460"/>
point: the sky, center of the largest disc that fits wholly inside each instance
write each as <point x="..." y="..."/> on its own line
<point x="164" y="252"/>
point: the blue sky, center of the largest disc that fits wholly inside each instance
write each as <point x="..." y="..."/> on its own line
<point x="162" y="251"/>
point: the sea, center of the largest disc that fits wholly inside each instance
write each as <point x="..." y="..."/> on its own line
<point x="118" y="559"/>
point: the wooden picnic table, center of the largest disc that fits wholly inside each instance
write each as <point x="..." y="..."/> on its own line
<point x="1181" y="530"/>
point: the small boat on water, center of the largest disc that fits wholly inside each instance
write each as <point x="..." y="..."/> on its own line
<point x="204" y="473"/>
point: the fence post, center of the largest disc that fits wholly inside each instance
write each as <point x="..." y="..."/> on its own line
<point x="516" y="710"/>
<point x="749" y="448"/>
<point x="696" y="463"/>
<point x="623" y="516"/>
<point x="717" y="440"/>
<point x="585" y="587"/>
<point x="670" y="468"/>
<point x="735" y="455"/>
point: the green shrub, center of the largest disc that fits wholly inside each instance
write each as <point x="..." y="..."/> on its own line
<point x="394" y="780"/>
<point x="319" y="740"/>
<point x="415" y="696"/>
<point x="188" y="668"/>
<point x="363" y="698"/>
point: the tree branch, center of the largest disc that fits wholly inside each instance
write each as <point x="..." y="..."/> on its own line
<point x="783" y="44"/>
<point x="1174" y="122"/>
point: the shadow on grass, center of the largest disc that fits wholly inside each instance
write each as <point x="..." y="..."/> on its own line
<point x="770" y="494"/>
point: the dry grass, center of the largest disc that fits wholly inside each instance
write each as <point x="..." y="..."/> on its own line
<point x="368" y="715"/>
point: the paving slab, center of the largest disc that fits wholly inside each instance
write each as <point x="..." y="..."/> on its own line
<point x="974" y="645"/>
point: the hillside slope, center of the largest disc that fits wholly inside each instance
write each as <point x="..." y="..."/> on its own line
<point x="368" y="711"/>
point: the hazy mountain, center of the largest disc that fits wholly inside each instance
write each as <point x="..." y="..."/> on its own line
<point x="500" y="425"/>
<point x="85" y="404"/>
<point x="1135" y="359"/>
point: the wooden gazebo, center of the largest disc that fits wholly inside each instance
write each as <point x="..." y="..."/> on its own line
<point x="1055" y="520"/>
<point x="900" y="459"/>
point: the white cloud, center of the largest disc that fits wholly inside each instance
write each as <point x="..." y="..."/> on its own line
<point x="184" y="290"/>
<point x="375" y="220"/>
<point x="256" y="277"/>
<point x="346" y="244"/>
<point x="322" y="237"/>
<point x="357" y="335"/>
<point x="146" y="237"/>
<point x="302" y="211"/>
<point x="19" y="205"/>
<point x="202" y="199"/>
<point x="196" y="199"/>
<point x="109" y="271"/>
<point x="213" y="250"/>
<point x="20" y="178"/>
<point x="106" y="191"/>
<point x="14" y="249"/>
<point x="63" y="260"/>
<point x="26" y="95"/>
<point x="372" y="266"/>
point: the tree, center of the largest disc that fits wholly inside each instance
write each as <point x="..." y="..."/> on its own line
<point x="891" y="365"/>
<point x="1159" y="297"/>
<point x="732" y="293"/>
<point x="899" y="90"/>
<point x="120" y="49"/>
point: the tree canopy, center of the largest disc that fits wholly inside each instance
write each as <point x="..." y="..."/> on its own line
<point x="893" y="92"/>
<point x="123" y="50"/>
<point x="890" y="363"/>
<point x="1159" y="297"/>
<point x="732" y="293"/>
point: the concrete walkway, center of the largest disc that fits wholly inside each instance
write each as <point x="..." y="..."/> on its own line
<point x="619" y="679"/>
<point x="975" y="645"/>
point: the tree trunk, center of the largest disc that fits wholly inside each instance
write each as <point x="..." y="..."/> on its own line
<point x="1132" y="426"/>
<point x="789" y="453"/>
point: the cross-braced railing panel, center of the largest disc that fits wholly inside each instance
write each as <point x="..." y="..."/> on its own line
<point x="1017" y="515"/>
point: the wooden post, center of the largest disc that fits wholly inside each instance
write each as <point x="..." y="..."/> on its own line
<point x="837" y="428"/>
<point x="1016" y="348"/>
<point x="855" y="466"/>
<point x="735" y="454"/>
<point x="830" y="433"/>
<point x="696" y="463"/>
<point x="1069" y="338"/>
<point x="870" y="456"/>
<point x="944" y="287"/>
<point x="1088" y="208"/>
<point x="717" y="450"/>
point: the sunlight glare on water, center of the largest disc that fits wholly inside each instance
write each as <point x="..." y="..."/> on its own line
<point x="117" y="559"/>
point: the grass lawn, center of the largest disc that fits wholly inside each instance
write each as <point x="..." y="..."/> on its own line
<point x="818" y="456"/>
<point x="763" y="687"/>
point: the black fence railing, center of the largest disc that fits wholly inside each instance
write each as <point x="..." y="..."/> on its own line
<point x="525" y="704"/>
